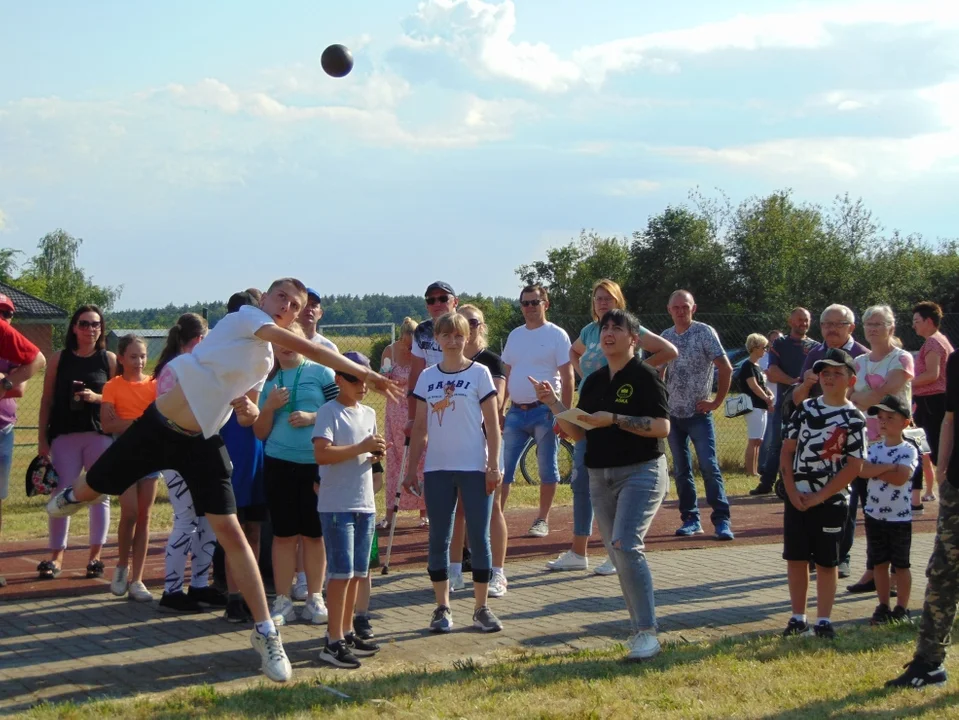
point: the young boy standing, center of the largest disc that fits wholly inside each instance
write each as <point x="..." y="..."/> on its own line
<point x="346" y="444"/>
<point x="888" y="507"/>
<point x="822" y="453"/>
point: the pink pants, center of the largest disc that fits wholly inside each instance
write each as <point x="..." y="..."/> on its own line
<point x="72" y="454"/>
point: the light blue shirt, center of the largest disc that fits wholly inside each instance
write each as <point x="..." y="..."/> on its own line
<point x="314" y="388"/>
<point x="593" y="358"/>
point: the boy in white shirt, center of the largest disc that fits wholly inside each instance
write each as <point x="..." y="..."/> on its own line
<point x="888" y="507"/>
<point x="346" y="444"/>
<point x="196" y="393"/>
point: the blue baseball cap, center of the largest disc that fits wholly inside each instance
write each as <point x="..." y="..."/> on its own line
<point x="311" y="293"/>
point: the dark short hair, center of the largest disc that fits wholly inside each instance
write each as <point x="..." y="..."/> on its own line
<point x="928" y="310"/>
<point x="620" y="318"/>
<point x="238" y="300"/>
<point x="535" y="288"/>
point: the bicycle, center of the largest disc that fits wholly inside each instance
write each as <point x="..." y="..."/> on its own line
<point x="529" y="468"/>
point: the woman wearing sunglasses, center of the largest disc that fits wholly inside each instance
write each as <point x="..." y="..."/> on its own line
<point x="69" y="427"/>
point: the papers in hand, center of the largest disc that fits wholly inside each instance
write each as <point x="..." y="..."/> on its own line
<point x="572" y="417"/>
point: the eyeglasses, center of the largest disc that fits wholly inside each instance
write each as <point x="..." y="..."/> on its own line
<point x="441" y="299"/>
<point x="530" y="303"/>
<point x="834" y="325"/>
<point x="88" y="324"/>
<point x="876" y="324"/>
<point x="6" y="314"/>
<point x="473" y="323"/>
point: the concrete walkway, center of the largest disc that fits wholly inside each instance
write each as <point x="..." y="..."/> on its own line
<point x="75" y="648"/>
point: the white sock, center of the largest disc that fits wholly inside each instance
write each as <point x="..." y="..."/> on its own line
<point x="301" y="578"/>
<point x="821" y="620"/>
<point x="266" y="627"/>
<point x="498" y="571"/>
<point x="456" y="568"/>
<point x="69" y="496"/>
<point x="800" y="617"/>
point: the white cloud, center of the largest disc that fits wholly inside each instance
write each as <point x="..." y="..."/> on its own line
<point x="630" y="187"/>
<point x="3" y="220"/>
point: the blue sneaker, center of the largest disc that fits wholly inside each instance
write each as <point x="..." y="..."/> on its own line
<point x="724" y="531"/>
<point x="690" y="527"/>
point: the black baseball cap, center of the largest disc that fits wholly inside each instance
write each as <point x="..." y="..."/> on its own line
<point x="892" y="404"/>
<point x="312" y="294"/>
<point x="836" y="357"/>
<point x="442" y="286"/>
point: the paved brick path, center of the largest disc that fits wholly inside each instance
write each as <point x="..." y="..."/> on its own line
<point x="74" y="648"/>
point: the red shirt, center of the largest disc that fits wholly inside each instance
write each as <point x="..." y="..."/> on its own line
<point x="14" y="347"/>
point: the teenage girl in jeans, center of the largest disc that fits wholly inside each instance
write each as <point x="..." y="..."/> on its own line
<point x="69" y="427"/>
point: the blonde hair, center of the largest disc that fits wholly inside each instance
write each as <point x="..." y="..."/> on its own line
<point x="615" y="291"/>
<point x="756" y="340"/>
<point x="297" y="330"/>
<point x="451" y="322"/>
<point x="884" y="311"/>
<point x="482" y="330"/>
<point x="408" y="326"/>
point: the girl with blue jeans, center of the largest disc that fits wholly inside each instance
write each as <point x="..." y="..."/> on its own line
<point x="454" y="400"/>
<point x="587" y="357"/>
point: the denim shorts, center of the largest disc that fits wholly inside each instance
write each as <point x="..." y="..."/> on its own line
<point x="349" y="539"/>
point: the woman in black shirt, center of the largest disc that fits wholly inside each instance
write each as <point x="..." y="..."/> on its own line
<point x="625" y="420"/>
<point x="752" y="383"/>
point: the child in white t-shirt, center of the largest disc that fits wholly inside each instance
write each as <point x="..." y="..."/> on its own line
<point x="346" y="445"/>
<point x="888" y="507"/>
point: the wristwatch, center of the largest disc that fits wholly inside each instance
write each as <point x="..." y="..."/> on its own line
<point x="6" y="384"/>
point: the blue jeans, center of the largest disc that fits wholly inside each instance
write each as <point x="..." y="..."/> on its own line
<point x="769" y="470"/>
<point x="626" y="500"/>
<point x="440" y="492"/>
<point x="582" y="505"/>
<point x="520" y="426"/>
<point x="698" y="428"/>
<point x="6" y="461"/>
<point x="349" y="538"/>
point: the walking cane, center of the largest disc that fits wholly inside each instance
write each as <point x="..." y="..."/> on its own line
<point x="396" y="506"/>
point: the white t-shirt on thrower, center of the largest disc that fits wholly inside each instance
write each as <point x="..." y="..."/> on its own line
<point x="229" y="363"/>
<point x="537" y="354"/>
<point x="454" y="418"/>
<point x="346" y="486"/>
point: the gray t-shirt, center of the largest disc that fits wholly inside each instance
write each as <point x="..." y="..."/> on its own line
<point x="689" y="378"/>
<point x="346" y="486"/>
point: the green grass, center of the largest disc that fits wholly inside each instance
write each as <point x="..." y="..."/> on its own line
<point x="745" y="677"/>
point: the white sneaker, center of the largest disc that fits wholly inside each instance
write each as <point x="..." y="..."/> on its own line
<point x="456" y="581"/>
<point x="607" y="568"/>
<point x="275" y="665"/>
<point x="539" y="528"/>
<point x="497" y="585"/>
<point x="300" y="590"/>
<point x="59" y="507"/>
<point x="120" y="582"/>
<point x="315" y="610"/>
<point x="138" y="592"/>
<point x="643" y="646"/>
<point x="283" y="611"/>
<point x="568" y="561"/>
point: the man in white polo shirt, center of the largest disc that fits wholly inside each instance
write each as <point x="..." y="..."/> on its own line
<point x="539" y="350"/>
<point x="309" y="316"/>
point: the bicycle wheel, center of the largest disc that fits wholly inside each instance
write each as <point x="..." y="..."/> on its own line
<point x="529" y="466"/>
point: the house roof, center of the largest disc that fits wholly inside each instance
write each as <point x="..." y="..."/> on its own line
<point x="30" y="307"/>
<point x="120" y="332"/>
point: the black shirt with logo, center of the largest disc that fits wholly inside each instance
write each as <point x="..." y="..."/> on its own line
<point x="636" y="391"/>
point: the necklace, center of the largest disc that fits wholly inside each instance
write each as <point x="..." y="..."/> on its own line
<point x="291" y="404"/>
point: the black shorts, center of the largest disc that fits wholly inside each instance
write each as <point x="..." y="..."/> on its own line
<point x="814" y="534"/>
<point x="151" y="445"/>
<point x="930" y="411"/>
<point x="251" y="513"/>
<point x="291" y="497"/>
<point x="888" y="542"/>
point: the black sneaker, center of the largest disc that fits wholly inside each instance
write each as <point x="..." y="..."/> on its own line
<point x="881" y="616"/>
<point x="796" y="627"/>
<point x="918" y="509"/>
<point x="338" y="654"/>
<point x="178" y="602"/>
<point x="920" y="674"/>
<point x="823" y="629"/>
<point x="361" y="648"/>
<point x="901" y="615"/>
<point x="362" y="627"/>
<point x="237" y="612"/>
<point x="761" y="489"/>
<point x="208" y="596"/>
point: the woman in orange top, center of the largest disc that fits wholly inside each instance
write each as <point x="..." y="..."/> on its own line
<point x="125" y="398"/>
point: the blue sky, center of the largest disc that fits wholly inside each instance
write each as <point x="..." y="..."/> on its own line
<point x="197" y="148"/>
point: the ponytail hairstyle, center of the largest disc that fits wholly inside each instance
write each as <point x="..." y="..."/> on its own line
<point x="122" y="345"/>
<point x="189" y="327"/>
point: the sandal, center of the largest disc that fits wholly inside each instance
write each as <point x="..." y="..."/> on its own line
<point x="424" y="522"/>
<point x="47" y="570"/>
<point x="95" y="569"/>
<point x="929" y="498"/>
<point x="383" y="524"/>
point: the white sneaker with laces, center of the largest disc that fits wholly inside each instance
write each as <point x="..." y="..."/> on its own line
<point x="539" y="528"/>
<point x="120" y="582"/>
<point x="300" y="590"/>
<point x="497" y="585"/>
<point x="568" y="561"/>
<point x="138" y="592"/>
<point x="607" y="568"/>
<point x="283" y="611"/>
<point x="642" y="646"/>
<point x="58" y="506"/>
<point x="315" y="610"/>
<point x="275" y="664"/>
<point x="456" y="581"/>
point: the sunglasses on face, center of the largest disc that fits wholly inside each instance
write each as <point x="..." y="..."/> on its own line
<point x="349" y="378"/>
<point x="6" y="314"/>
<point x="530" y="303"/>
<point x="441" y="299"/>
<point x="88" y="324"/>
<point x="473" y="323"/>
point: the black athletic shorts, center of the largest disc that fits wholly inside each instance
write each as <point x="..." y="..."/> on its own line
<point x="888" y="542"/>
<point x="291" y="497"/>
<point x="814" y="534"/>
<point x="151" y="445"/>
<point x="251" y="513"/>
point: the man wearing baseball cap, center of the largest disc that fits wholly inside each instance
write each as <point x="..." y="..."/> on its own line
<point x="310" y="315"/>
<point x="440" y="299"/>
<point x="20" y="360"/>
